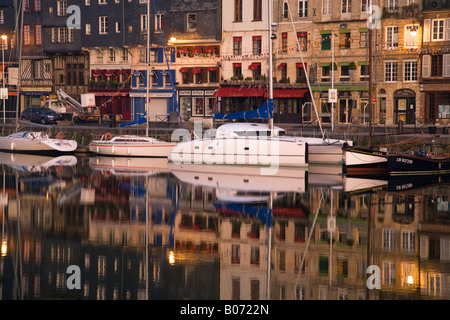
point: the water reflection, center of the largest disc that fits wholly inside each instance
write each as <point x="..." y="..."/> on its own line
<point x="146" y="229"/>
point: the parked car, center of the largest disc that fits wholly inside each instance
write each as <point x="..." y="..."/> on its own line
<point x="41" y="115"/>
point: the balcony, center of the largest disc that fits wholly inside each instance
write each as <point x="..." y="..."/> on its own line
<point x="411" y="11"/>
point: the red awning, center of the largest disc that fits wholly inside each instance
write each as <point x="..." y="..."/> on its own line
<point x="237" y="65"/>
<point x="240" y="92"/>
<point x="109" y="73"/>
<point x="300" y="65"/>
<point x="259" y="92"/>
<point x="281" y="66"/>
<point x="212" y="68"/>
<point x="196" y="70"/>
<point x="184" y="70"/>
<point x="289" y="93"/>
<point x="97" y="73"/>
<point x="254" y="65"/>
<point x="124" y="71"/>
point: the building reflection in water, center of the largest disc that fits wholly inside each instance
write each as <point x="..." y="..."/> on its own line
<point x="145" y="230"/>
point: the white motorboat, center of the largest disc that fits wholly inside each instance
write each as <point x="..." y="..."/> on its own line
<point x="36" y="142"/>
<point x="131" y="146"/>
<point x="129" y="166"/>
<point x="251" y="144"/>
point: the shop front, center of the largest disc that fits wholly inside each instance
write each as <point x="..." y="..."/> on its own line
<point x="405" y="106"/>
<point x="160" y="105"/>
<point x="197" y="103"/>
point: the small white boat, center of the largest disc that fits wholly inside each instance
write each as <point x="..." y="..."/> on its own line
<point x="359" y="160"/>
<point x="129" y="166"/>
<point x="131" y="146"/>
<point x="36" y="142"/>
<point x="243" y="144"/>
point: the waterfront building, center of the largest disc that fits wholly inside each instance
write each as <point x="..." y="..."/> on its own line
<point x="70" y="64"/>
<point x="435" y="57"/>
<point x="9" y="65"/>
<point x="197" y="37"/>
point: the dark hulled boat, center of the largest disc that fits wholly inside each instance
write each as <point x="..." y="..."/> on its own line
<point x="418" y="164"/>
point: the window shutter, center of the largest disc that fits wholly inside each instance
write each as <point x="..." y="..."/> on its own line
<point x="426" y="66"/>
<point x="446" y="70"/>
<point x="427" y="30"/>
<point x="447" y="29"/>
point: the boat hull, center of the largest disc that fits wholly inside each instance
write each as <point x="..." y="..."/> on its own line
<point x="16" y="143"/>
<point x="160" y="150"/>
<point x="418" y="165"/>
<point x="242" y="151"/>
<point x="362" y="161"/>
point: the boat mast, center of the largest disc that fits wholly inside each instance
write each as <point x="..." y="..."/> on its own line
<point x="19" y="77"/>
<point x="269" y="38"/>
<point x="147" y="107"/>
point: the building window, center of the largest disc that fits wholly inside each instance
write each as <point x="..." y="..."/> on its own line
<point x="346" y="6"/>
<point x="390" y="73"/>
<point x="326" y="41"/>
<point x="285" y="10"/>
<point x="102" y="2"/>
<point x="118" y="27"/>
<point x="392" y="6"/>
<point x="99" y="55"/>
<point x="410" y="71"/>
<point x="257" y="45"/>
<point x="212" y="75"/>
<point x="300" y="74"/>
<point x="237" y="69"/>
<point x="124" y="54"/>
<point x="38" y="70"/>
<point x="237" y="10"/>
<point x="303" y="8"/>
<point x="344" y="41"/>
<point x="364" y="39"/>
<point x="103" y="25"/>
<point x="326" y="7"/>
<point x="237" y="46"/>
<point x="159" y="22"/>
<point x="112" y="55"/>
<point x="302" y="40"/>
<point x="257" y="10"/>
<point x="284" y="41"/>
<point x="88" y="28"/>
<point x="392" y="37"/>
<point x="326" y="74"/>
<point x="411" y="41"/>
<point x="26" y="35"/>
<point x="437" y="65"/>
<point x="37" y="34"/>
<point x="437" y="30"/>
<point x="191" y="22"/>
<point x="61" y="7"/>
<point x="2" y="17"/>
<point x="345" y="74"/>
<point x="364" y="73"/>
<point x="365" y="5"/>
<point x="37" y="5"/>
<point x="144" y="23"/>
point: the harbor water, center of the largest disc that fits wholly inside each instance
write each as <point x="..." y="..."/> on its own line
<point x="104" y="228"/>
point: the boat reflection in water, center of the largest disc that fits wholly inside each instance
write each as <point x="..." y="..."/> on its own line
<point x="199" y="233"/>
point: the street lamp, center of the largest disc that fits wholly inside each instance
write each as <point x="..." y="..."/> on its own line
<point x="413" y="31"/>
<point x="4" y="38"/>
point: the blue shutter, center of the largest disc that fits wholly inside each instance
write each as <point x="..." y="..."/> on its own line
<point x="160" y="78"/>
<point x="160" y="53"/>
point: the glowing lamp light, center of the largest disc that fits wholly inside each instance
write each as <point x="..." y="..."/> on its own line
<point x="173" y="39"/>
<point x="410" y="280"/>
<point x="171" y="257"/>
<point x="413" y="31"/>
<point x="4" y="249"/>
